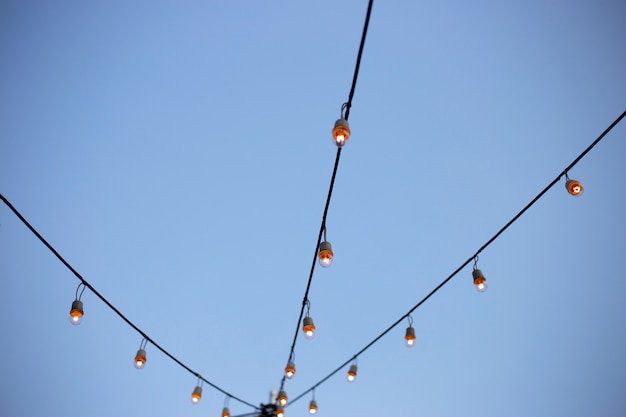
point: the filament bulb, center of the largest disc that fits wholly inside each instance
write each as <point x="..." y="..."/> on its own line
<point x="76" y="312"/>
<point x="574" y="187"/>
<point x="280" y="412"/>
<point x="140" y="359"/>
<point x="312" y="407"/>
<point x="479" y="280"/>
<point x="308" y="327"/>
<point x="409" y="337"/>
<point x="225" y="412"/>
<point x="352" y="373"/>
<point x="290" y="370"/>
<point x="341" y="132"/>
<point x="325" y="254"/>
<point x="196" y="395"/>
<point x="282" y="398"/>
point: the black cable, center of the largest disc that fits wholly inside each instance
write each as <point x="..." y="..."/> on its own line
<point x="112" y="307"/>
<point x="470" y="259"/>
<point x="358" y="58"/>
<point x="347" y="105"/>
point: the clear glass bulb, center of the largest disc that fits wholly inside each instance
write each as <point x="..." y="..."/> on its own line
<point x="481" y="284"/>
<point x="225" y="412"/>
<point x="352" y="373"/>
<point x="308" y="328"/>
<point x="196" y="395"/>
<point x="282" y="398"/>
<point x="140" y="359"/>
<point x="76" y="313"/>
<point x="574" y="187"/>
<point x="312" y="407"/>
<point x="325" y="258"/>
<point x="290" y="370"/>
<point x="280" y="412"/>
<point x="341" y="132"/>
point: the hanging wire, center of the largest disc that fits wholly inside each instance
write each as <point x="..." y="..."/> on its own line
<point x="346" y="106"/>
<point x="112" y="307"/>
<point x="78" y="297"/>
<point x="474" y="258"/>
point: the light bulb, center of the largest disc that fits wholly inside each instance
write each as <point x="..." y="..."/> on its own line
<point x="341" y="132"/>
<point x="312" y="407"/>
<point x="76" y="313"/>
<point x="290" y="370"/>
<point x="280" y="412"/>
<point x="325" y="254"/>
<point x="196" y="395"/>
<point x="479" y="280"/>
<point x="225" y="412"/>
<point x="574" y="187"/>
<point x="352" y="373"/>
<point x="140" y="359"/>
<point x="308" y="327"/>
<point x="409" y="337"/>
<point x="282" y="398"/>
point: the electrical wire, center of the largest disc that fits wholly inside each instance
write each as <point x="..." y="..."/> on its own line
<point x="112" y="307"/>
<point x="464" y="264"/>
<point x="346" y="106"/>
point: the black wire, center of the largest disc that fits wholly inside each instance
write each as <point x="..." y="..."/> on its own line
<point x="112" y="307"/>
<point x="470" y="259"/>
<point x="358" y="58"/>
<point x="347" y="105"/>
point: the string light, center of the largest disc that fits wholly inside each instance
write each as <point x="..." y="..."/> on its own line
<point x="325" y="254"/>
<point x="409" y="336"/>
<point x="280" y="412"/>
<point x="341" y="132"/>
<point x="290" y="369"/>
<point x="140" y="357"/>
<point x="225" y="410"/>
<point x="479" y="279"/>
<point x="313" y="404"/>
<point x="282" y="398"/>
<point x="307" y="323"/>
<point x="574" y="187"/>
<point x="308" y="327"/>
<point x="77" y="312"/>
<point x="352" y="372"/>
<point x="196" y="395"/>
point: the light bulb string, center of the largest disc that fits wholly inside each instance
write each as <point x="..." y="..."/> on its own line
<point x="346" y="106"/>
<point x="305" y="300"/>
<point x="111" y="306"/>
<point x="469" y="260"/>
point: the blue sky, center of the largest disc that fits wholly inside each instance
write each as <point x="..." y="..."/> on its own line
<point x="178" y="156"/>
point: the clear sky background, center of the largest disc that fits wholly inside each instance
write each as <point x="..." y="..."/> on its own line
<point x="178" y="155"/>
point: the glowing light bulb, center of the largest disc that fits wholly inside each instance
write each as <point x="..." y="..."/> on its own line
<point x="308" y="327"/>
<point x="325" y="254"/>
<point x="196" y="395"/>
<point x="479" y="280"/>
<point x="574" y="187"/>
<point x="140" y="359"/>
<point x="76" y="313"/>
<point x="312" y="407"/>
<point x="409" y="337"/>
<point x="282" y="398"/>
<point x="225" y="412"/>
<point x="290" y="370"/>
<point x="280" y="412"/>
<point x="352" y="373"/>
<point x="341" y="132"/>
